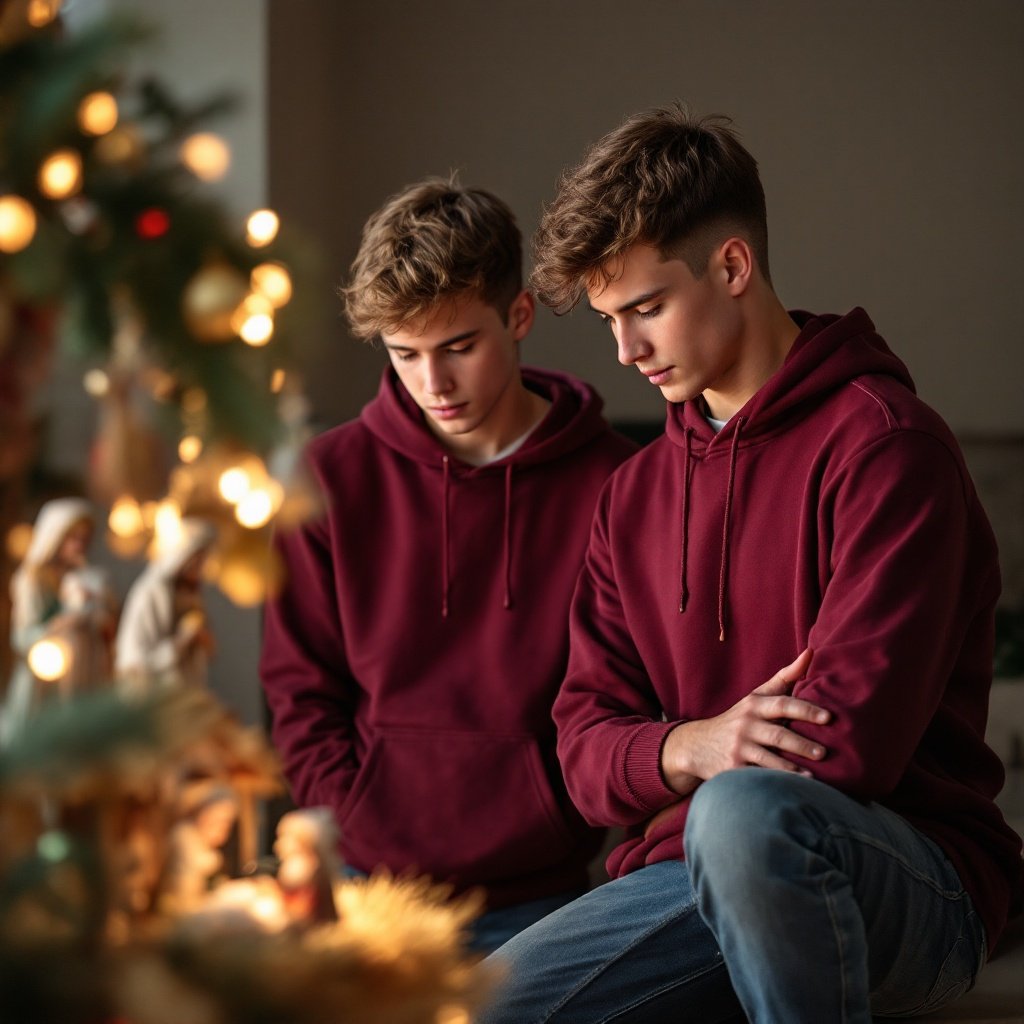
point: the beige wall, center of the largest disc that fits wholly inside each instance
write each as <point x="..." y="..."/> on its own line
<point x="888" y="133"/>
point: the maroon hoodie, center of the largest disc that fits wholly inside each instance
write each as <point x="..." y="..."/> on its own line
<point x="833" y="511"/>
<point x="412" y="659"/>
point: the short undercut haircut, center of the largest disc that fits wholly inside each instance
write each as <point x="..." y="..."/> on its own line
<point x="662" y="178"/>
<point x="432" y="241"/>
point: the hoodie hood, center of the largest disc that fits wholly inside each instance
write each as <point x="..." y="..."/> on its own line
<point x="573" y="419"/>
<point x="829" y="352"/>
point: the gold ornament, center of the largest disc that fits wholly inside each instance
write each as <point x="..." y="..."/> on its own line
<point x="122" y="147"/>
<point x="210" y="300"/>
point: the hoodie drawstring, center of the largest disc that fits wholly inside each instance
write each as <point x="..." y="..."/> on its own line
<point x="722" y="572"/>
<point x="684" y="592"/>
<point x="444" y="541"/>
<point x="508" y="536"/>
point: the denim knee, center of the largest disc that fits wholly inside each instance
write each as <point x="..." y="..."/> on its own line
<point x="734" y="816"/>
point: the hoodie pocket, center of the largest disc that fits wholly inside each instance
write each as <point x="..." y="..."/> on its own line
<point x="461" y="806"/>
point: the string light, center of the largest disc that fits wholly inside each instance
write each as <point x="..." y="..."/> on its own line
<point x="253" y="321"/>
<point x="17" y="223"/>
<point x="190" y="448"/>
<point x="206" y="155"/>
<point x="97" y="113"/>
<point x="96" y="383"/>
<point x="234" y="484"/>
<point x="273" y="281"/>
<point x="61" y="174"/>
<point x="49" y="660"/>
<point x="277" y="379"/>
<point x="42" y="12"/>
<point x="255" y="509"/>
<point x="125" y="519"/>
<point x="168" y="530"/>
<point x="261" y="228"/>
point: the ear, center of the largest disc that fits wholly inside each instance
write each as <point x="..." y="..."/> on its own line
<point x="520" y="314"/>
<point x="736" y="260"/>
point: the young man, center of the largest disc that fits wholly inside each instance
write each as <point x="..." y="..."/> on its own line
<point x="411" y="661"/>
<point x="815" y="842"/>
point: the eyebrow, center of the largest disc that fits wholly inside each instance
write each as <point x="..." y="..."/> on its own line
<point x="638" y="301"/>
<point x="447" y="343"/>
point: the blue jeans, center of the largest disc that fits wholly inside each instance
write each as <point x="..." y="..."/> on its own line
<point x="797" y="904"/>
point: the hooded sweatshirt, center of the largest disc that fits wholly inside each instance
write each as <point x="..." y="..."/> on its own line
<point x="412" y="658"/>
<point x="833" y="511"/>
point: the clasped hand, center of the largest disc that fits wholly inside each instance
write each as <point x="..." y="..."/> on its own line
<point x="754" y="731"/>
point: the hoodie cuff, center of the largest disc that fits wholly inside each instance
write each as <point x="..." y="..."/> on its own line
<point x="641" y="767"/>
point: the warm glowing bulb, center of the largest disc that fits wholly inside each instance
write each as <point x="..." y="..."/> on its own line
<point x="61" y="174"/>
<point x="234" y="484"/>
<point x="253" y="321"/>
<point x="168" y="531"/>
<point x="255" y="509"/>
<point x="49" y="659"/>
<point x="189" y="448"/>
<point x="97" y="113"/>
<point x="257" y="330"/>
<point x="277" y="379"/>
<point x="206" y="155"/>
<point x="17" y="223"/>
<point x="42" y="12"/>
<point x="125" y="519"/>
<point x="261" y="228"/>
<point x="96" y="383"/>
<point x="273" y="281"/>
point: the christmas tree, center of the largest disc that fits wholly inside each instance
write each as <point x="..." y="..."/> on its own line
<point x="131" y="886"/>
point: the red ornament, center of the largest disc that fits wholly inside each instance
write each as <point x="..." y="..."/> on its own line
<point x="152" y="223"/>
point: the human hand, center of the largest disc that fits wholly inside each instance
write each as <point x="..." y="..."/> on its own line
<point x="754" y="731"/>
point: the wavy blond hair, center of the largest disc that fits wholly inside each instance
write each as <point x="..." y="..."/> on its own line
<point x="432" y="241"/>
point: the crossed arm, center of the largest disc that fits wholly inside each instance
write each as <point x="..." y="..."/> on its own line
<point x="751" y="732"/>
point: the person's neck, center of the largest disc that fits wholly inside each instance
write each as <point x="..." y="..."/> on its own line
<point x="768" y="339"/>
<point x="522" y="411"/>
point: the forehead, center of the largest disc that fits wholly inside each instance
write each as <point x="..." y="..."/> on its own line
<point x="447" y="319"/>
<point x="635" y="272"/>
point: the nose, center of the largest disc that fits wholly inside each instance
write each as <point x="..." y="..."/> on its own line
<point x="436" y="378"/>
<point x="632" y="347"/>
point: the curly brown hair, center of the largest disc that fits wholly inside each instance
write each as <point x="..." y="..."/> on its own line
<point x="432" y="241"/>
<point x="663" y="178"/>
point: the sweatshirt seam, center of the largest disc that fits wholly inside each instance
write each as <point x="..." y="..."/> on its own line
<point x="861" y="386"/>
<point x="893" y="434"/>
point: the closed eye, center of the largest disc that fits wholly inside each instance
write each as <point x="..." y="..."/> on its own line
<point x="461" y="351"/>
<point x="647" y="314"/>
